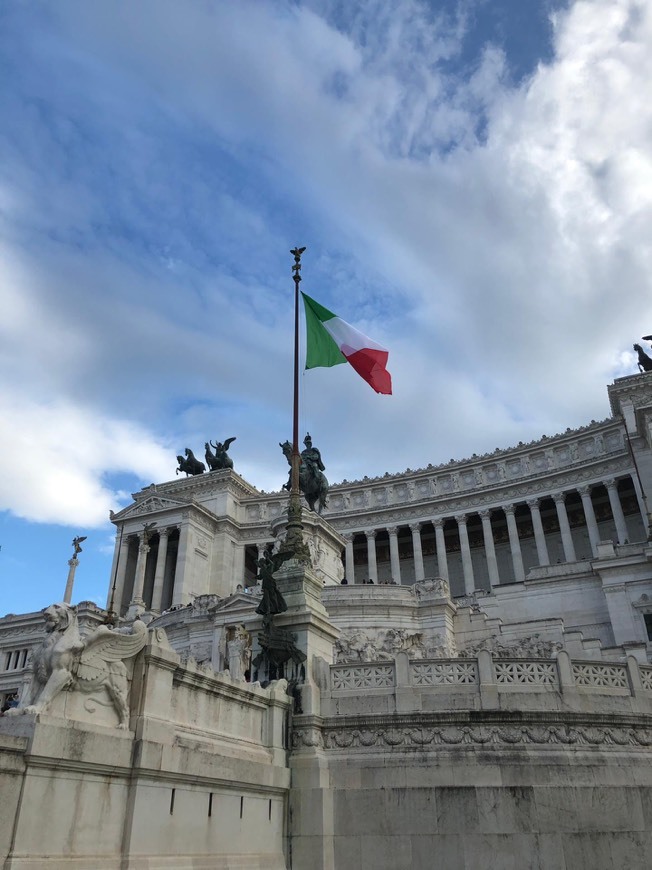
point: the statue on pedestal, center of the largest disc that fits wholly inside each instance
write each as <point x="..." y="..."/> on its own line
<point x="312" y="480"/>
<point x="66" y="661"/>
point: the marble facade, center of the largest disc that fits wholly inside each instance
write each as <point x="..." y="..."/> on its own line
<point x="486" y="702"/>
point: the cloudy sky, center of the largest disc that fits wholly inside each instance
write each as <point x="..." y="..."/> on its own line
<point x="472" y="180"/>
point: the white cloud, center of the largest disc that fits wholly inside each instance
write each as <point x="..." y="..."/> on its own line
<point x="495" y="238"/>
<point x="53" y="459"/>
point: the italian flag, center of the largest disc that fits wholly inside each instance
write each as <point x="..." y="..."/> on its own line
<point x="331" y="341"/>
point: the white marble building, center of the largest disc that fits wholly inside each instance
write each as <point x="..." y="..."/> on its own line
<point x="486" y="702"/>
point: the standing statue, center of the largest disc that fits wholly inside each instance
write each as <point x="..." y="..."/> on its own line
<point x="220" y="459"/>
<point x="239" y="653"/>
<point x="312" y="480"/>
<point x="76" y="542"/>
<point x="272" y="601"/>
<point x="191" y="465"/>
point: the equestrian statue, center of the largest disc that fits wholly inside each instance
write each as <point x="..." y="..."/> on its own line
<point x="191" y="465"/>
<point x="312" y="480"/>
<point x="644" y="361"/>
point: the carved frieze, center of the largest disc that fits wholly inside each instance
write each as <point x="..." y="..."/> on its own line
<point x="424" y="736"/>
<point x="523" y="647"/>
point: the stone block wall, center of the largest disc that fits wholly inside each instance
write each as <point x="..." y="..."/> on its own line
<point x="199" y="780"/>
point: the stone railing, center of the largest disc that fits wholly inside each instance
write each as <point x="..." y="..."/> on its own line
<point x="405" y="685"/>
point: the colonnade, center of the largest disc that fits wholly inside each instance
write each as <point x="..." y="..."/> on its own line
<point x="129" y="580"/>
<point x="530" y="524"/>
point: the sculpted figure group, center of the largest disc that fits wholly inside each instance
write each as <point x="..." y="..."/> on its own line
<point x="215" y="461"/>
<point x="66" y="661"/>
<point x="312" y="480"/>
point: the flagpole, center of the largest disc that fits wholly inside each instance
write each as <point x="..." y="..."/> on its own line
<point x="294" y="547"/>
<point x="296" y="459"/>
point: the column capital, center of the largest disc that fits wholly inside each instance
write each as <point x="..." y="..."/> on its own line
<point x="392" y="530"/>
<point x="533" y="503"/>
<point x="610" y="483"/>
<point x="485" y="514"/>
<point x="415" y="527"/>
<point x="461" y="519"/>
<point x="438" y="523"/>
<point x="371" y="534"/>
<point x="164" y="532"/>
<point x="348" y="537"/>
<point x="559" y="497"/>
<point x="509" y="509"/>
<point x="584" y="490"/>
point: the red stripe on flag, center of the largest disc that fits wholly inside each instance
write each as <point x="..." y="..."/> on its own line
<point x="370" y="365"/>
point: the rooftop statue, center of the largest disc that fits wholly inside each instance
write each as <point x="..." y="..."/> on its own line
<point x="220" y="459"/>
<point x="65" y="660"/>
<point x="644" y="361"/>
<point x="312" y="480"/>
<point x="191" y="465"/>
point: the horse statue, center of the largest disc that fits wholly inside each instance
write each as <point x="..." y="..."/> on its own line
<point x="312" y="481"/>
<point x="220" y="459"/>
<point x="644" y="361"/>
<point x="191" y="465"/>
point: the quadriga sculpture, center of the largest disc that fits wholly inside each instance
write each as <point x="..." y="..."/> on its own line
<point x="191" y="465"/>
<point x="65" y="660"/>
<point x="220" y="459"/>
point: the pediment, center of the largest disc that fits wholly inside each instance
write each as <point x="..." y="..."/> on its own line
<point x="237" y="601"/>
<point x="152" y="504"/>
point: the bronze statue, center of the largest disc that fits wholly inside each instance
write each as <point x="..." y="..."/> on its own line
<point x="191" y="465"/>
<point x="644" y="361"/>
<point x="312" y="480"/>
<point x="220" y="459"/>
<point x="272" y="600"/>
<point x="76" y="542"/>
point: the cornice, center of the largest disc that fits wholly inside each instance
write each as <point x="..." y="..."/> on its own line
<point x="202" y="485"/>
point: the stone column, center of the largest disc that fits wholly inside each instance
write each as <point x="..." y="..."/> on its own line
<point x="566" y="537"/>
<point x="159" y="573"/>
<point x="440" y="539"/>
<point x="589" y="513"/>
<point x="539" y="534"/>
<point x="139" y="579"/>
<point x="467" y="564"/>
<point x="393" y="554"/>
<point x="239" y="564"/>
<point x="514" y="543"/>
<point x="617" y="511"/>
<point x="489" y="547"/>
<point x="119" y="573"/>
<point x="419" y="571"/>
<point x="371" y="555"/>
<point x="349" y="567"/>
<point x="179" y="593"/>
<point x="72" y="567"/>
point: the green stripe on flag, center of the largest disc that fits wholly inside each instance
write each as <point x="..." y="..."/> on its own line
<point x="321" y="350"/>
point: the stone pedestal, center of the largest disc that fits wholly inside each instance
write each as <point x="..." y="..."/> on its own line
<point x="306" y="617"/>
<point x="326" y="545"/>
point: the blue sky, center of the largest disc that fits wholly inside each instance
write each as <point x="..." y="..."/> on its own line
<point x="472" y="180"/>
